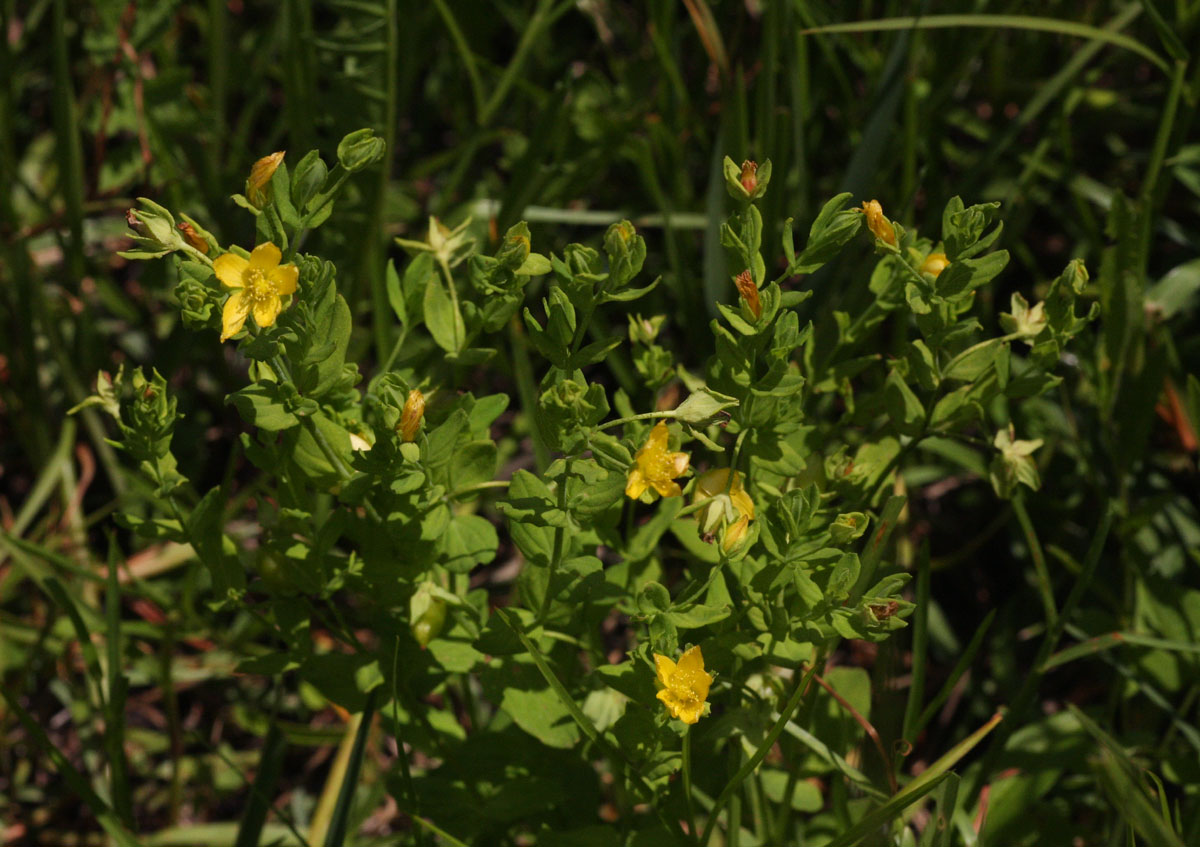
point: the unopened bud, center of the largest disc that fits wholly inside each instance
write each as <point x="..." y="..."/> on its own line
<point x="878" y="224"/>
<point x="260" y="178"/>
<point x="429" y="625"/>
<point x="749" y="178"/>
<point x="934" y="264"/>
<point x="749" y="292"/>
<point x="133" y="222"/>
<point x="410" y="418"/>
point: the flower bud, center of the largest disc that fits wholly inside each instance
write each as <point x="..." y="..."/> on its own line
<point x="735" y="534"/>
<point x="749" y="178"/>
<point x="878" y="224"/>
<point x="1024" y="321"/>
<point x="749" y="292"/>
<point x="934" y="264"/>
<point x="429" y="625"/>
<point x="410" y="418"/>
<point x="748" y="182"/>
<point x="260" y="178"/>
<point x="360" y="149"/>
<point x="728" y="511"/>
<point x="645" y="330"/>
<point x="192" y="237"/>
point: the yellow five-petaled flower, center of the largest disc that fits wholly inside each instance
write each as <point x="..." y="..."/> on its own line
<point x="684" y="685"/>
<point x="655" y="467"/>
<point x="259" y="284"/>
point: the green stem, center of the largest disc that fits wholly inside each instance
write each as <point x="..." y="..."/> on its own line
<point x="540" y="19"/>
<point x="405" y="772"/>
<point x="444" y="265"/>
<point x="559" y="541"/>
<point x="646" y="416"/>
<point x="479" y="486"/>
<point x="687" y="780"/>
<point x="1045" y="587"/>
<point x="391" y="357"/>
<point x="464" y="52"/>
<point x="527" y="389"/>
<point x="1159" y="153"/>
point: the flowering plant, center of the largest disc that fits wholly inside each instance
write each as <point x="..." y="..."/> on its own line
<point x="521" y="595"/>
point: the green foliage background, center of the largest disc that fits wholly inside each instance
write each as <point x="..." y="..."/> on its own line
<point x="1080" y="121"/>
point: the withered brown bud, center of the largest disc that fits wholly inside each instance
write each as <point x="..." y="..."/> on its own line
<point x="192" y="237"/>
<point x="749" y="292"/>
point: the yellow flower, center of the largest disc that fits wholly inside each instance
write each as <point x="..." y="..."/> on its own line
<point x="261" y="284"/>
<point x="260" y="176"/>
<point x="729" y="506"/>
<point x="685" y="685"/>
<point x="749" y="293"/>
<point x="410" y="418"/>
<point x="656" y="468"/>
<point x="935" y="263"/>
<point x="877" y="223"/>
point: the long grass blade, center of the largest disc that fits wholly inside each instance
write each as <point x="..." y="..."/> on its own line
<point x="270" y="766"/>
<point x="339" y="823"/>
<point x="1025" y="22"/>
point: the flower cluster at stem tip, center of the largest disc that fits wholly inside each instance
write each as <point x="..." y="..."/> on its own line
<point x="684" y="684"/>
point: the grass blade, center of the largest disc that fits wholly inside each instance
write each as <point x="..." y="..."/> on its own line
<point x="960" y="667"/>
<point x="1025" y="22"/>
<point x="335" y="836"/>
<point x="916" y="691"/>
<point x="270" y="766"/>
<point x="118" y="687"/>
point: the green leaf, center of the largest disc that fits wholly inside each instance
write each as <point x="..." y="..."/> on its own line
<point x="443" y="318"/>
<point x="535" y="264"/>
<point x="903" y="407"/>
<point x="696" y="615"/>
<point x="395" y="294"/>
<point x="261" y="405"/>
<point x="1176" y="292"/>
<point x="468" y="540"/>
<point x="474" y="462"/>
<point x="206" y="531"/>
<point x="969" y="274"/>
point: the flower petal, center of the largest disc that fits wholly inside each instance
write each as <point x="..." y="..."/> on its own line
<point x="665" y="668"/>
<point x="265" y="311"/>
<point x="233" y="315"/>
<point x="690" y="713"/>
<point x="285" y="278"/>
<point x="667" y="487"/>
<point x="229" y="268"/>
<point x="657" y="440"/>
<point x="692" y="660"/>
<point x="636" y="485"/>
<point x="679" y="462"/>
<point x="265" y="256"/>
<point x="743" y="503"/>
